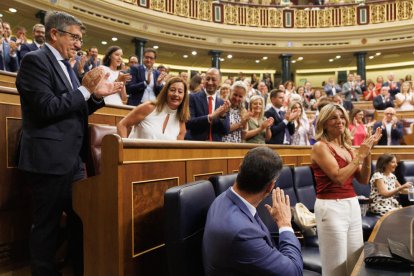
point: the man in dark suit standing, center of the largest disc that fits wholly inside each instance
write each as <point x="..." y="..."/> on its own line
<point x="55" y="110"/>
<point x="392" y="129"/>
<point x="236" y="241"/>
<point x="393" y="86"/>
<point x="384" y="100"/>
<point x="208" y="113"/>
<point x="146" y="82"/>
<point x="283" y="125"/>
<point x="38" y="41"/>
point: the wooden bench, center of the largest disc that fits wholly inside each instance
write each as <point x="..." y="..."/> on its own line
<point x="8" y="79"/>
<point x="122" y="208"/>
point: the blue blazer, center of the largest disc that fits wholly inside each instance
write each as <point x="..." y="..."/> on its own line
<point x="278" y="127"/>
<point x="55" y="116"/>
<point x="136" y="87"/>
<point x="380" y="105"/>
<point x="198" y="127"/>
<point x="396" y="134"/>
<point x="8" y="63"/>
<point x="26" y="48"/>
<point x="235" y="243"/>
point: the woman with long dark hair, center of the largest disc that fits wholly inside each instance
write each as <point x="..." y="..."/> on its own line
<point x="112" y="62"/>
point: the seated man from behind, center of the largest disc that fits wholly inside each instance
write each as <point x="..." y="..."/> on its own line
<point x="236" y="242"/>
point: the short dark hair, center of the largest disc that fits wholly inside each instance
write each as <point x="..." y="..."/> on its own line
<point x="150" y="50"/>
<point x="383" y="161"/>
<point x="260" y="166"/>
<point x="60" y="20"/>
<point x="274" y="92"/>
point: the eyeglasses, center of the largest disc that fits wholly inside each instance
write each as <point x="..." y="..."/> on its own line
<point x="74" y="37"/>
<point x="389" y="113"/>
<point x="147" y="57"/>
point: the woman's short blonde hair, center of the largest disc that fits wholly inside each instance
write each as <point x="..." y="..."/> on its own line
<point x="324" y="115"/>
<point x="254" y="99"/>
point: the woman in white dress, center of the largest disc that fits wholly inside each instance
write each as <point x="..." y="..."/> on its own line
<point x="163" y="119"/>
<point x="112" y="62"/>
<point x="405" y="99"/>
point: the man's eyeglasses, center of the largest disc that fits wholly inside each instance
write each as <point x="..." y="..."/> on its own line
<point x="74" y="37"/>
<point x="389" y="113"/>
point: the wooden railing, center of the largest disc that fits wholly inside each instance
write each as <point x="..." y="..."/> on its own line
<point x="273" y="16"/>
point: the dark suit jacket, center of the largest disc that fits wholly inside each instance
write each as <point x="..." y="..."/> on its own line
<point x="348" y="105"/>
<point x="198" y="127"/>
<point x="395" y="90"/>
<point x="55" y="117"/>
<point x="235" y="243"/>
<point x="26" y="48"/>
<point x="8" y="63"/>
<point x="136" y="87"/>
<point x="380" y="105"/>
<point x="278" y="128"/>
<point x="396" y="134"/>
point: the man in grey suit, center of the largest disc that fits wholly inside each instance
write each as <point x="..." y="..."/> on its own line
<point x="55" y="109"/>
<point x="236" y="241"/>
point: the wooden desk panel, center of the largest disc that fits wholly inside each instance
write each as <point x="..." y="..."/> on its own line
<point x="363" y="105"/>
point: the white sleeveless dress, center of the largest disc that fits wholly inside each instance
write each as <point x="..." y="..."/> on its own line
<point x="151" y="126"/>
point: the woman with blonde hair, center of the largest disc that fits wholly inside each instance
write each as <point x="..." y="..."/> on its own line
<point x="163" y="119"/>
<point x="405" y="99"/>
<point x="238" y="113"/>
<point x="258" y="128"/>
<point x="335" y="164"/>
<point x="304" y="129"/>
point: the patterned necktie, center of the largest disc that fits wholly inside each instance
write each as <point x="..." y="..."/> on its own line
<point x="210" y="110"/>
<point x="72" y="75"/>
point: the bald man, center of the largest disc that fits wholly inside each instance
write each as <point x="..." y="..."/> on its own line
<point x="392" y="129"/>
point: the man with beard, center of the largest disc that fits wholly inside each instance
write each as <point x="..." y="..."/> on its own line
<point x="38" y="41"/>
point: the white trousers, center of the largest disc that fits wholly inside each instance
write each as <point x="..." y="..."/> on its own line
<point x="340" y="234"/>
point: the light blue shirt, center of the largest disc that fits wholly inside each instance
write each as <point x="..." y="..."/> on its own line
<point x="149" y="94"/>
<point x="86" y="94"/>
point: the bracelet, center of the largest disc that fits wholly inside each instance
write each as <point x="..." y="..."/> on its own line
<point x="356" y="161"/>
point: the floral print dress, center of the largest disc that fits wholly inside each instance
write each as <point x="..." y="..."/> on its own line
<point x="381" y="205"/>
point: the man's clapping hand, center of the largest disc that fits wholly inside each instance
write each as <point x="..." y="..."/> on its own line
<point x="96" y="81"/>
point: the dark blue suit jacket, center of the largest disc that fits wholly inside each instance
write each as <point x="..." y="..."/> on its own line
<point x="198" y="127"/>
<point x="380" y="105"/>
<point x="8" y="63"/>
<point x="136" y="87"/>
<point x="278" y="127"/>
<point x="394" y="91"/>
<point x="26" y="48"/>
<point x="396" y="134"/>
<point x="55" y="116"/>
<point x="235" y="243"/>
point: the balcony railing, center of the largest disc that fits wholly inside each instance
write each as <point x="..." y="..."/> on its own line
<point x="272" y="16"/>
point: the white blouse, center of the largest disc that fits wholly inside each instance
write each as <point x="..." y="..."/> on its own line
<point x="151" y="126"/>
<point x="114" y="98"/>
